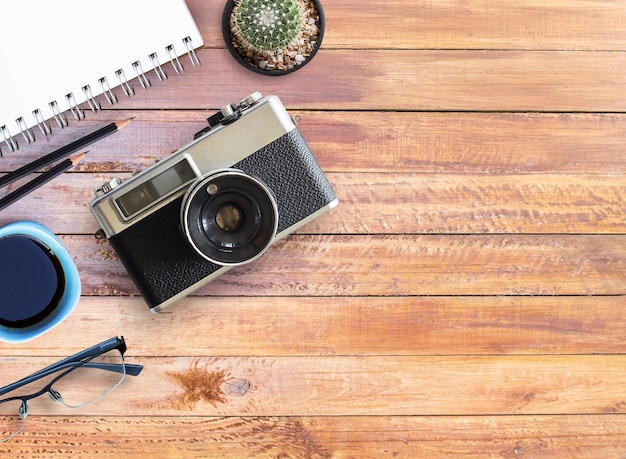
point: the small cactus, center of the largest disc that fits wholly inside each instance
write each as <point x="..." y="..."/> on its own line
<point x="266" y="25"/>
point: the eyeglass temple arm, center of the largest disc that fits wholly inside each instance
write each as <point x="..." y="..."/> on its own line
<point x="112" y="343"/>
<point x="131" y="368"/>
<point x="101" y="348"/>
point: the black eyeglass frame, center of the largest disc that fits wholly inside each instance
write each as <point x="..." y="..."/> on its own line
<point x="81" y="359"/>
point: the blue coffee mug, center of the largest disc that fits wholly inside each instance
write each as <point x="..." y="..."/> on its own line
<point x="39" y="282"/>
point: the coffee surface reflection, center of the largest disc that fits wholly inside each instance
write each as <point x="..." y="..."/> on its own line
<point x="32" y="281"/>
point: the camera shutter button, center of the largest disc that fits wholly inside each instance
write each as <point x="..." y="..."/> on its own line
<point x="228" y="111"/>
<point x="250" y="100"/>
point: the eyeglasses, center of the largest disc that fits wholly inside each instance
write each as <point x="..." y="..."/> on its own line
<point x="75" y="382"/>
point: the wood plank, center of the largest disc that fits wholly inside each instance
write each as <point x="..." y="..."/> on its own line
<point x="469" y="204"/>
<point x="397" y="203"/>
<point x="319" y="265"/>
<point x="318" y="437"/>
<point x="354" y="326"/>
<point x="484" y="24"/>
<point x="432" y="80"/>
<point x="340" y="385"/>
<point x="442" y="143"/>
<point x="466" y="143"/>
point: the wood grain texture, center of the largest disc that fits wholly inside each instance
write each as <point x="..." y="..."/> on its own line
<point x="316" y="326"/>
<point x="429" y="204"/>
<point x="466" y="298"/>
<point x="485" y="144"/>
<point x="365" y="385"/>
<point x="324" y="437"/>
<point x="479" y="24"/>
<point x="477" y="80"/>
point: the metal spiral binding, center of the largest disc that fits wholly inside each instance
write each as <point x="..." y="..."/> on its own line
<point x="45" y="127"/>
<point x="58" y="116"/>
<point x="141" y="76"/>
<point x="173" y="55"/>
<point x="154" y="59"/>
<point x="92" y="100"/>
<point x="26" y="132"/>
<point x="78" y="113"/>
<point x="109" y="93"/>
<point x="126" y="86"/>
<point x="8" y="139"/>
<point x="191" y="52"/>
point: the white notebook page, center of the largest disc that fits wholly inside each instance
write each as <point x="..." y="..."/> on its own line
<point x="55" y="48"/>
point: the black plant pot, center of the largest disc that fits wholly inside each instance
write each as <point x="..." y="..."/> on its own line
<point x="251" y="62"/>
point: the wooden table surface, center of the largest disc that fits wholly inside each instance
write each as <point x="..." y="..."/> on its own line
<point x="466" y="297"/>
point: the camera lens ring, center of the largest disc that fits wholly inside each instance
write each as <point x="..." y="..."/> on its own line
<point x="229" y="218"/>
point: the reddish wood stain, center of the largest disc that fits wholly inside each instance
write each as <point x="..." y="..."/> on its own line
<point x="199" y="385"/>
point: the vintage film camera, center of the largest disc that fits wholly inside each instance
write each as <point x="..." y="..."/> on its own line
<point x="247" y="180"/>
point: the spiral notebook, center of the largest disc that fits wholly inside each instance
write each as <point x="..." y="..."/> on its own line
<point x="67" y="57"/>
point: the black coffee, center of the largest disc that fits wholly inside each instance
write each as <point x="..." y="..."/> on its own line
<point x="31" y="281"/>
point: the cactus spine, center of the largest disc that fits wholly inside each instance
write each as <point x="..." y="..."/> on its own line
<point x="266" y="25"/>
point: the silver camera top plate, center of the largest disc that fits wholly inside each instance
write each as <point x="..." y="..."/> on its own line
<point x="261" y="122"/>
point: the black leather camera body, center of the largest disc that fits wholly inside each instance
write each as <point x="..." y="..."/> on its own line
<point x="220" y="201"/>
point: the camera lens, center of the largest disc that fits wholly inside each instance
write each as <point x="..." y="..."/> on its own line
<point x="229" y="217"/>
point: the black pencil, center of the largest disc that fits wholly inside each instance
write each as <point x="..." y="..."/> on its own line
<point x="62" y="152"/>
<point x="40" y="180"/>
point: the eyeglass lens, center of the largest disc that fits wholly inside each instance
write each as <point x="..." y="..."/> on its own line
<point x="83" y="385"/>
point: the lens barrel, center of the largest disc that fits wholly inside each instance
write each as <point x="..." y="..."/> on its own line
<point x="229" y="217"/>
